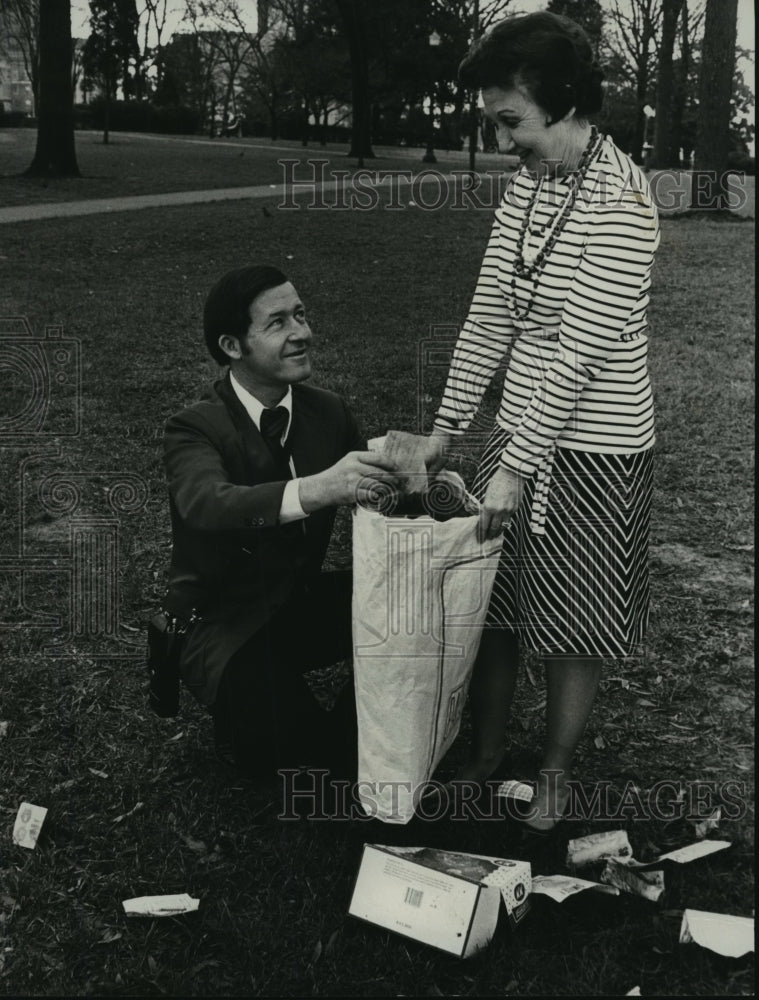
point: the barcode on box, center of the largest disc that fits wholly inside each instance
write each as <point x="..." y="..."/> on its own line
<point x="413" y="896"/>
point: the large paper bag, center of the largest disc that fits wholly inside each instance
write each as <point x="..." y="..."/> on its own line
<point x="421" y="589"/>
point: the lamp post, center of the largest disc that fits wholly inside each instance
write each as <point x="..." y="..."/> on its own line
<point x="429" y="155"/>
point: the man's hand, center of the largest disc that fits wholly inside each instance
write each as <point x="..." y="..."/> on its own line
<point x="438" y="444"/>
<point x="347" y="481"/>
<point x="503" y="496"/>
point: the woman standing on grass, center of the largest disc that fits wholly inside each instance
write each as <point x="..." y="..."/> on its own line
<point x="566" y="474"/>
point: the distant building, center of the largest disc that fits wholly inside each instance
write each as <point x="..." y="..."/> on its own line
<point x="16" y="92"/>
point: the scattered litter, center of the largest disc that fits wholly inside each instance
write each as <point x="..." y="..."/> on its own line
<point x="29" y="820"/>
<point x="123" y="816"/>
<point x="445" y="899"/>
<point x="196" y="846"/>
<point x="4" y="729"/>
<point x="707" y="824"/>
<point x="648" y="884"/>
<point x="63" y="785"/>
<point x="727" y="935"/>
<point x="160" y="906"/>
<point x="634" y="992"/>
<point x="561" y="887"/>
<point x="598" y="847"/>
<point x="515" y="790"/>
<point x="98" y="774"/>
<point x="681" y="855"/>
<point x="109" y="937"/>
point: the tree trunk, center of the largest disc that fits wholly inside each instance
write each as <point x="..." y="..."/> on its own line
<point x="324" y="126"/>
<point x="352" y="14"/>
<point x="715" y="88"/>
<point x="55" y="155"/>
<point x="641" y="94"/>
<point x="660" y="154"/>
<point x="273" y="123"/>
<point x="304" y="124"/>
<point x="680" y="93"/>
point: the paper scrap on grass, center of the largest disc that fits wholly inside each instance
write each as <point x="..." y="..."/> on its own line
<point x="722" y="933"/>
<point x="681" y="855"/>
<point x="598" y="847"/>
<point x="515" y="790"/>
<point x="634" y="992"/>
<point x="561" y="887"/>
<point x="707" y="824"/>
<point x="4" y="729"/>
<point x="29" y="820"/>
<point x="160" y="906"/>
<point x="648" y="884"/>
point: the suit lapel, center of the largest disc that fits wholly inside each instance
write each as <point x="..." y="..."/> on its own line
<point x="256" y="462"/>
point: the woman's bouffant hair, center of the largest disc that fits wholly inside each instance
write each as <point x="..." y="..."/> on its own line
<point x="549" y="54"/>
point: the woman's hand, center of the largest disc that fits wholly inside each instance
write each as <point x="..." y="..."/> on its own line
<point x="435" y="452"/>
<point x="502" y="497"/>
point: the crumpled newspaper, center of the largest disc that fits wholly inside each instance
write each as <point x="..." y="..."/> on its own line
<point x="598" y="847"/>
<point x="561" y="887"/>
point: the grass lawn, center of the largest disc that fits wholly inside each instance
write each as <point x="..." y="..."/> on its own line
<point x="141" y="806"/>
<point x="134" y="164"/>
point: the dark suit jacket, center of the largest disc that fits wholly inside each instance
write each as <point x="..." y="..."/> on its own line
<point x="232" y="562"/>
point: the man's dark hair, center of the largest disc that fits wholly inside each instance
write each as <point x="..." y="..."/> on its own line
<point x="549" y="53"/>
<point x="227" y="308"/>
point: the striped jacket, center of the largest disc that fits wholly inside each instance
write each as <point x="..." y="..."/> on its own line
<point x="577" y="376"/>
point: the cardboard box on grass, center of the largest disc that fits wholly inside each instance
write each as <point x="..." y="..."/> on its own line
<point x="442" y="898"/>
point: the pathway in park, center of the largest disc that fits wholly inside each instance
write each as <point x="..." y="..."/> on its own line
<point x="284" y="195"/>
<point x="98" y="206"/>
<point x="673" y="194"/>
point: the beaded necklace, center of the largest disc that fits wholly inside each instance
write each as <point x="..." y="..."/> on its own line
<point x="530" y="263"/>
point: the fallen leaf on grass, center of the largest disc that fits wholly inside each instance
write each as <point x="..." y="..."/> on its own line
<point x="316" y="954"/>
<point x="598" y="742"/>
<point x="4" y="729"/>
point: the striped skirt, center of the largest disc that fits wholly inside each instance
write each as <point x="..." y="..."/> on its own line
<point x="578" y="587"/>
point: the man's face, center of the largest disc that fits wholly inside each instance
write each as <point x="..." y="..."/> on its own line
<point x="275" y="351"/>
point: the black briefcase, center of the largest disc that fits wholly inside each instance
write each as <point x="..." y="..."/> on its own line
<point x="165" y="637"/>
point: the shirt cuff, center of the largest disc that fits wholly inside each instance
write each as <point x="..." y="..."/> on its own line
<point x="447" y="425"/>
<point x="291" y="509"/>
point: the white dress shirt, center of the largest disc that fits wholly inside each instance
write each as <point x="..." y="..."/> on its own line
<point x="291" y="509"/>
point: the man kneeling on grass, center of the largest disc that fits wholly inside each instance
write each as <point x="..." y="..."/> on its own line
<point x="256" y="470"/>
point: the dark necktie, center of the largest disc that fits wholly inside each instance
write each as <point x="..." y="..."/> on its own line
<point x="273" y="423"/>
